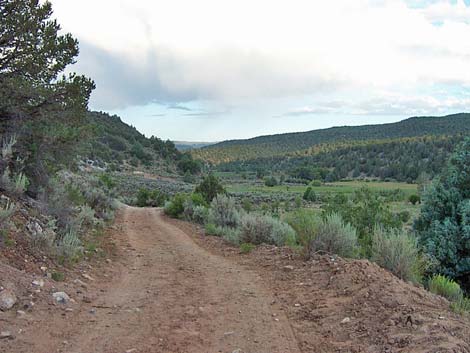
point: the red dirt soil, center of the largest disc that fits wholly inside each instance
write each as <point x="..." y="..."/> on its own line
<point x="168" y="288"/>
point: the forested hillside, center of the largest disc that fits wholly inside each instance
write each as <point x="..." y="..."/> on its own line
<point x="399" y="151"/>
<point x="114" y="143"/>
<point x="398" y="159"/>
<point x="293" y="144"/>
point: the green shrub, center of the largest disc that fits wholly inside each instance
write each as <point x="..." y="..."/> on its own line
<point x="282" y="233"/>
<point x="404" y="216"/>
<point x="246" y="248"/>
<point x="6" y="212"/>
<point x="198" y="199"/>
<point x="304" y="222"/>
<point x="57" y="276"/>
<point x="364" y="211"/>
<point x="195" y="209"/>
<point x="43" y="239"/>
<point x="444" y="223"/>
<point x="224" y="212"/>
<point x="69" y="247"/>
<point x="175" y="207"/>
<point x="461" y="306"/>
<point x="74" y="194"/>
<point x="247" y="205"/>
<point x="445" y="287"/>
<point x="107" y="181"/>
<point x="414" y="199"/>
<point x="211" y="229"/>
<point x="270" y="182"/>
<point x="200" y="214"/>
<point x="333" y="235"/>
<point x="7" y="147"/>
<point x="258" y="229"/>
<point x="315" y="183"/>
<point x="16" y="184"/>
<point x="398" y="252"/>
<point x="209" y="188"/>
<point x="21" y="183"/>
<point x="232" y="235"/>
<point x="298" y="202"/>
<point x="150" y="198"/>
<point x="309" y="195"/>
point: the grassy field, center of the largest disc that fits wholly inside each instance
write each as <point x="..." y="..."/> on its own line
<point x="345" y="187"/>
<point x="258" y="193"/>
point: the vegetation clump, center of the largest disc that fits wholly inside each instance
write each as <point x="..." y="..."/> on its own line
<point x="334" y="236"/>
<point x="210" y="187"/>
<point x="150" y="198"/>
<point x="444" y="223"/>
<point x="246" y="248"/>
<point x="175" y="207"/>
<point x="443" y="286"/>
<point x="259" y="229"/>
<point x="224" y="212"/>
<point x="398" y="252"/>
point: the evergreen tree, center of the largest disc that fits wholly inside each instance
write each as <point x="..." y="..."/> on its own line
<point x="38" y="103"/>
<point x="209" y="188"/>
<point x="444" y="223"/>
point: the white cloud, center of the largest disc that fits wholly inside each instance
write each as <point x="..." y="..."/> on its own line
<point x="233" y="51"/>
<point x="446" y="11"/>
<point x="386" y="104"/>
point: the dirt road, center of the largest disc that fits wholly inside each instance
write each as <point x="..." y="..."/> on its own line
<point x="168" y="288"/>
<point x="177" y="297"/>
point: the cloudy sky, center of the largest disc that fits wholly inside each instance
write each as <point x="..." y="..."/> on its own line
<point x="210" y="70"/>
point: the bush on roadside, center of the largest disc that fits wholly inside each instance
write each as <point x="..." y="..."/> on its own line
<point x="211" y="229"/>
<point x="461" y="306"/>
<point x="398" y="252"/>
<point x="258" y="229"/>
<point x="150" y="198"/>
<point x="175" y="207"/>
<point x="232" y="235"/>
<point x="246" y="248"/>
<point x="445" y="287"/>
<point x="195" y="209"/>
<point x="69" y="247"/>
<point x="334" y="236"/>
<point x="224" y="212"/>
<point x="304" y="223"/>
<point x="200" y="214"/>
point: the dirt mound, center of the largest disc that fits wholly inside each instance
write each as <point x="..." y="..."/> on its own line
<point x="336" y="305"/>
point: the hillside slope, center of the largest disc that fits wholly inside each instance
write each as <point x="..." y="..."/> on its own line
<point x="114" y="143"/>
<point x="293" y="143"/>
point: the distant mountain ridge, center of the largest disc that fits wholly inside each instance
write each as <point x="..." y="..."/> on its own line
<point x="189" y="145"/>
<point x="270" y="146"/>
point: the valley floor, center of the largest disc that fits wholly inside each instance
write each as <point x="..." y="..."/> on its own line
<point x="169" y="289"/>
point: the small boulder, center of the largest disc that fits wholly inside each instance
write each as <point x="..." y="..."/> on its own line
<point x="87" y="276"/>
<point x="345" y="320"/>
<point x="38" y="283"/>
<point x="6" y="334"/>
<point x="80" y="283"/>
<point x="7" y="299"/>
<point x="61" y="297"/>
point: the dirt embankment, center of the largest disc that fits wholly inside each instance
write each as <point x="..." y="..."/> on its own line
<point x="167" y="288"/>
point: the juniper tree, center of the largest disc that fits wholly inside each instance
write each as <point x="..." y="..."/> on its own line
<point x="40" y="104"/>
